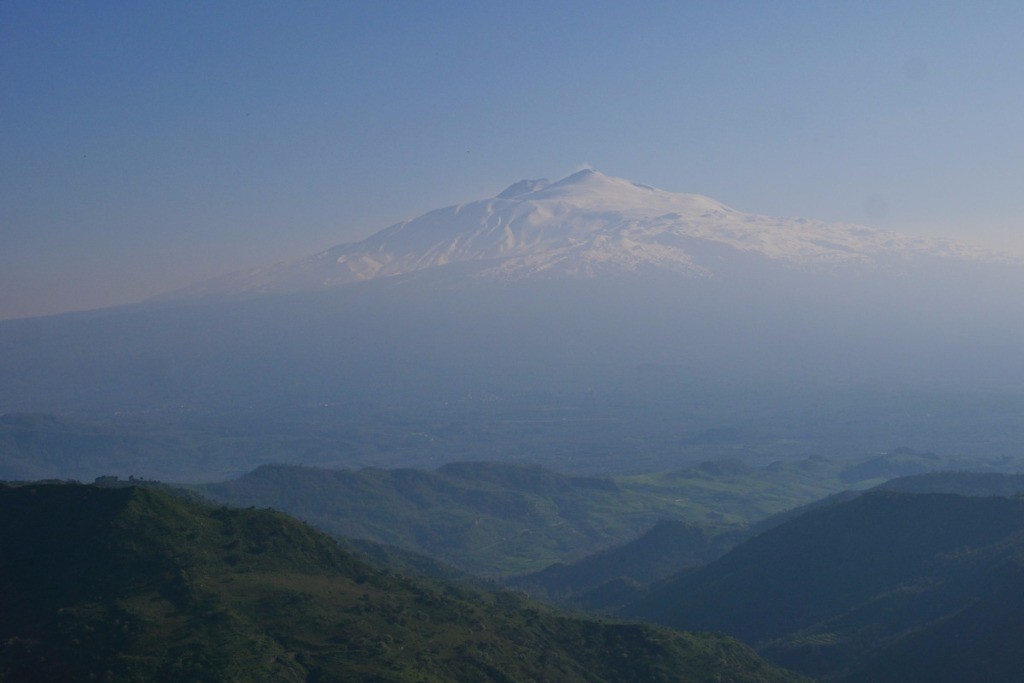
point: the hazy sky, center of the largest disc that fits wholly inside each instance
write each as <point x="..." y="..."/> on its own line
<point x="144" y="146"/>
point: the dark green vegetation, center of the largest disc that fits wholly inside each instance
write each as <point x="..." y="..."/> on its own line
<point x="616" y="576"/>
<point x="495" y="519"/>
<point x="963" y="483"/>
<point x="887" y="586"/>
<point x="133" y="584"/>
<point x="613" y="578"/>
<point x="484" y="518"/>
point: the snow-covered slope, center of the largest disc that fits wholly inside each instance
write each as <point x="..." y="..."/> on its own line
<point x="586" y="224"/>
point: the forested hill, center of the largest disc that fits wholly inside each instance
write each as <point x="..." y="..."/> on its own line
<point x="495" y="518"/>
<point x="887" y="586"/>
<point x="132" y="584"/>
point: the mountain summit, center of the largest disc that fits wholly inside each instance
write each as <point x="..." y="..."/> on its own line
<point x="585" y="224"/>
<point x="588" y="298"/>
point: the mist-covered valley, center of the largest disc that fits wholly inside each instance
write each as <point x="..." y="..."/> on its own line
<point x="762" y="341"/>
<point x="803" y="435"/>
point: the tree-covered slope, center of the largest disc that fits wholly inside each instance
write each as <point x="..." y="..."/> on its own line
<point x="611" y="577"/>
<point x="844" y="588"/>
<point x="131" y="584"/>
<point x="963" y="483"/>
<point x="487" y="518"/>
<point x="499" y="519"/>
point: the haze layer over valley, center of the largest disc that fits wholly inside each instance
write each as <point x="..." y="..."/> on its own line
<point x="589" y="324"/>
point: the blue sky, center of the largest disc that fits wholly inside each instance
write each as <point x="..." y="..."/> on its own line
<point x="144" y="146"/>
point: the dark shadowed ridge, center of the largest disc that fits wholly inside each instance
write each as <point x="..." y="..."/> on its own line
<point x="613" y="577"/>
<point x="875" y="585"/>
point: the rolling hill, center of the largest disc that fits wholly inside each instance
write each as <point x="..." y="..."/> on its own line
<point x="875" y="588"/>
<point x="133" y="584"/>
<point x="500" y="519"/>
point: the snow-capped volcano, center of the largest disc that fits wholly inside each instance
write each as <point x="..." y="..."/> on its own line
<point x="585" y="224"/>
<point x="593" y="297"/>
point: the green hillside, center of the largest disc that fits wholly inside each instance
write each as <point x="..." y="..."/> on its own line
<point x="132" y="584"/>
<point x="961" y="483"/>
<point x="483" y="518"/>
<point x="875" y="588"/>
<point x="499" y="519"/>
<point x="612" y="577"/>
